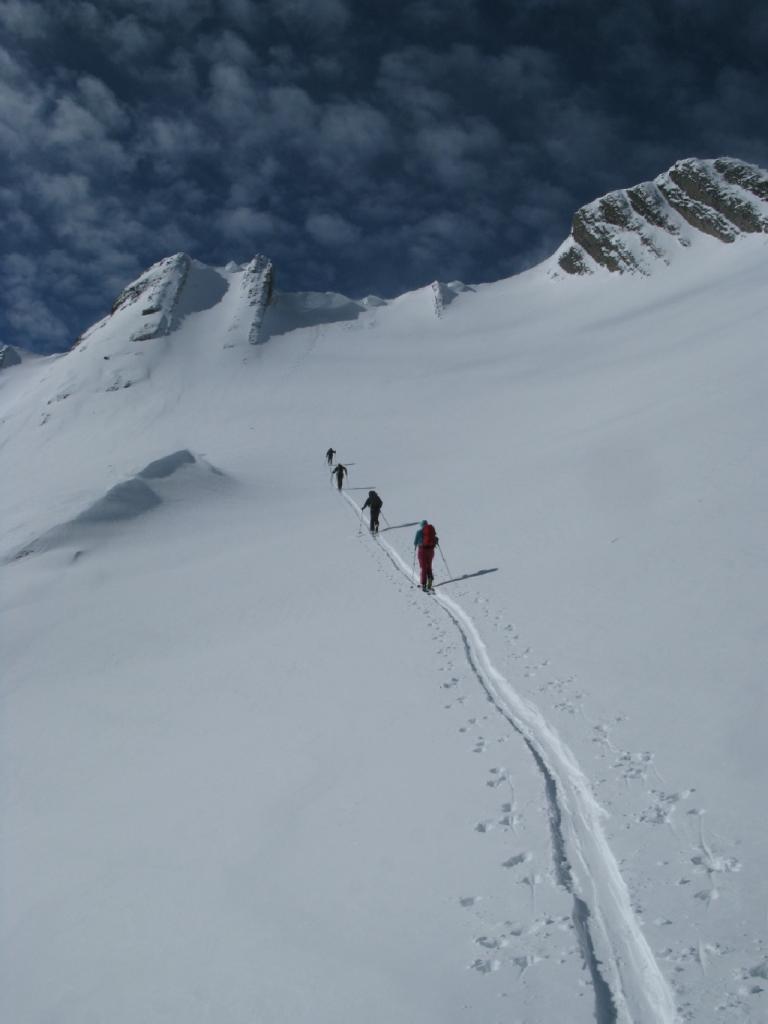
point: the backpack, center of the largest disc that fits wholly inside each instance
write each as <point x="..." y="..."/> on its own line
<point x="428" y="536"/>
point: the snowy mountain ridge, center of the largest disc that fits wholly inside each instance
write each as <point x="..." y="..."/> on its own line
<point x="633" y="230"/>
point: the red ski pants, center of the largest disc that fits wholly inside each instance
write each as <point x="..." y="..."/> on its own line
<point x="425" y="563"/>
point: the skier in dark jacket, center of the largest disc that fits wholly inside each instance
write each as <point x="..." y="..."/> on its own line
<point x="339" y="472"/>
<point x="374" y="503"/>
<point x="329" y="456"/>
<point x="425" y="542"/>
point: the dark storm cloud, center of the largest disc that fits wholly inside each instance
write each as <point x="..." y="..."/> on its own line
<point x="365" y="150"/>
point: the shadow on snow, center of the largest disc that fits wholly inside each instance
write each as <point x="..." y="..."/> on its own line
<point x="466" y="576"/>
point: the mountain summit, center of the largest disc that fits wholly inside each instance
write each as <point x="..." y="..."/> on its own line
<point x="634" y="229"/>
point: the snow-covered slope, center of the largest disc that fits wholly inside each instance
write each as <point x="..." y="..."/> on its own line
<point x="250" y="773"/>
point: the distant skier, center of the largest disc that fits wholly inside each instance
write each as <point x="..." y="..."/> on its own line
<point x="339" y="472"/>
<point x="425" y="542"/>
<point x="329" y="456"/>
<point x="374" y="503"/>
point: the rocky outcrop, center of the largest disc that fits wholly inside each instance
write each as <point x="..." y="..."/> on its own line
<point x="444" y="293"/>
<point x="635" y="229"/>
<point x="8" y="357"/>
<point x="257" y="282"/>
<point x="258" y="285"/>
<point x="158" y="290"/>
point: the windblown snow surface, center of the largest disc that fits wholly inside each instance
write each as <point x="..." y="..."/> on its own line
<point x="251" y="774"/>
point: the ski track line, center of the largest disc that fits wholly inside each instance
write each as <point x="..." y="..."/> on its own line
<point x="628" y="983"/>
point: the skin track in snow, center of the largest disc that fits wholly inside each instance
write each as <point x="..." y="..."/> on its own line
<point x="628" y="984"/>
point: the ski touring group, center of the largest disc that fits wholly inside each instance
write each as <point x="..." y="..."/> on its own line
<point x="426" y="540"/>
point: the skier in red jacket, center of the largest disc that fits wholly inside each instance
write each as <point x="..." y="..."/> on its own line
<point x="425" y="542"/>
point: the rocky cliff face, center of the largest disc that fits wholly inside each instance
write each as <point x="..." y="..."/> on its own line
<point x="634" y="229"/>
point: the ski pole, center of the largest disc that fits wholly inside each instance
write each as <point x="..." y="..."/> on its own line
<point x="413" y="567"/>
<point x="450" y="574"/>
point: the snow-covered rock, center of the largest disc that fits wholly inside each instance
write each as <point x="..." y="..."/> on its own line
<point x="444" y="294"/>
<point x="8" y="357"/>
<point x="636" y="229"/>
<point x="157" y="290"/>
<point x="257" y="285"/>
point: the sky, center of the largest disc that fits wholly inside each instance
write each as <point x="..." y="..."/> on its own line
<point x="366" y="148"/>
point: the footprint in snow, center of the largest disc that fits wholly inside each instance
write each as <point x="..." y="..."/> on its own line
<point x="524" y="962"/>
<point x="634" y="766"/>
<point x="713" y="864"/>
<point x="517" y="860"/>
<point x="663" y="809"/>
<point x="485" y="966"/>
<point x="514" y="929"/>
<point x="488" y="942"/>
<point x="499" y="778"/>
<point x="707" y="896"/>
<point x="567" y="706"/>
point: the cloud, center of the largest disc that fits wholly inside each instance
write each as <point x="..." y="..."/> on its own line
<point x="351" y="135"/>
<point x="61" y="192"/>
<point x="134" y="40"/>
<point x="234" y="97"/>
<point x="324" y="16"/>
<point x="293" y="111"/>
<point x="26" y="310"/>
<point x="165" y="12"/>
<point x="246" y="15"/>
<point x="101" y="102"/>
<point x="243" y="222"/>
<point x="433" y="14"/>
<point x="458" y="154"/>
<point x="26" y="19"/>
<point x="174" y="139"/>
<point x="331" y="229"/>
<point x="227" y="47"/>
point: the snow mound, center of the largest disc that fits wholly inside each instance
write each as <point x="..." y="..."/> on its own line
<point x="179" y="476"/>
<point x="167" y="466"/>
<point x="291" y="311"/>
<point x="123" y="501"/>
